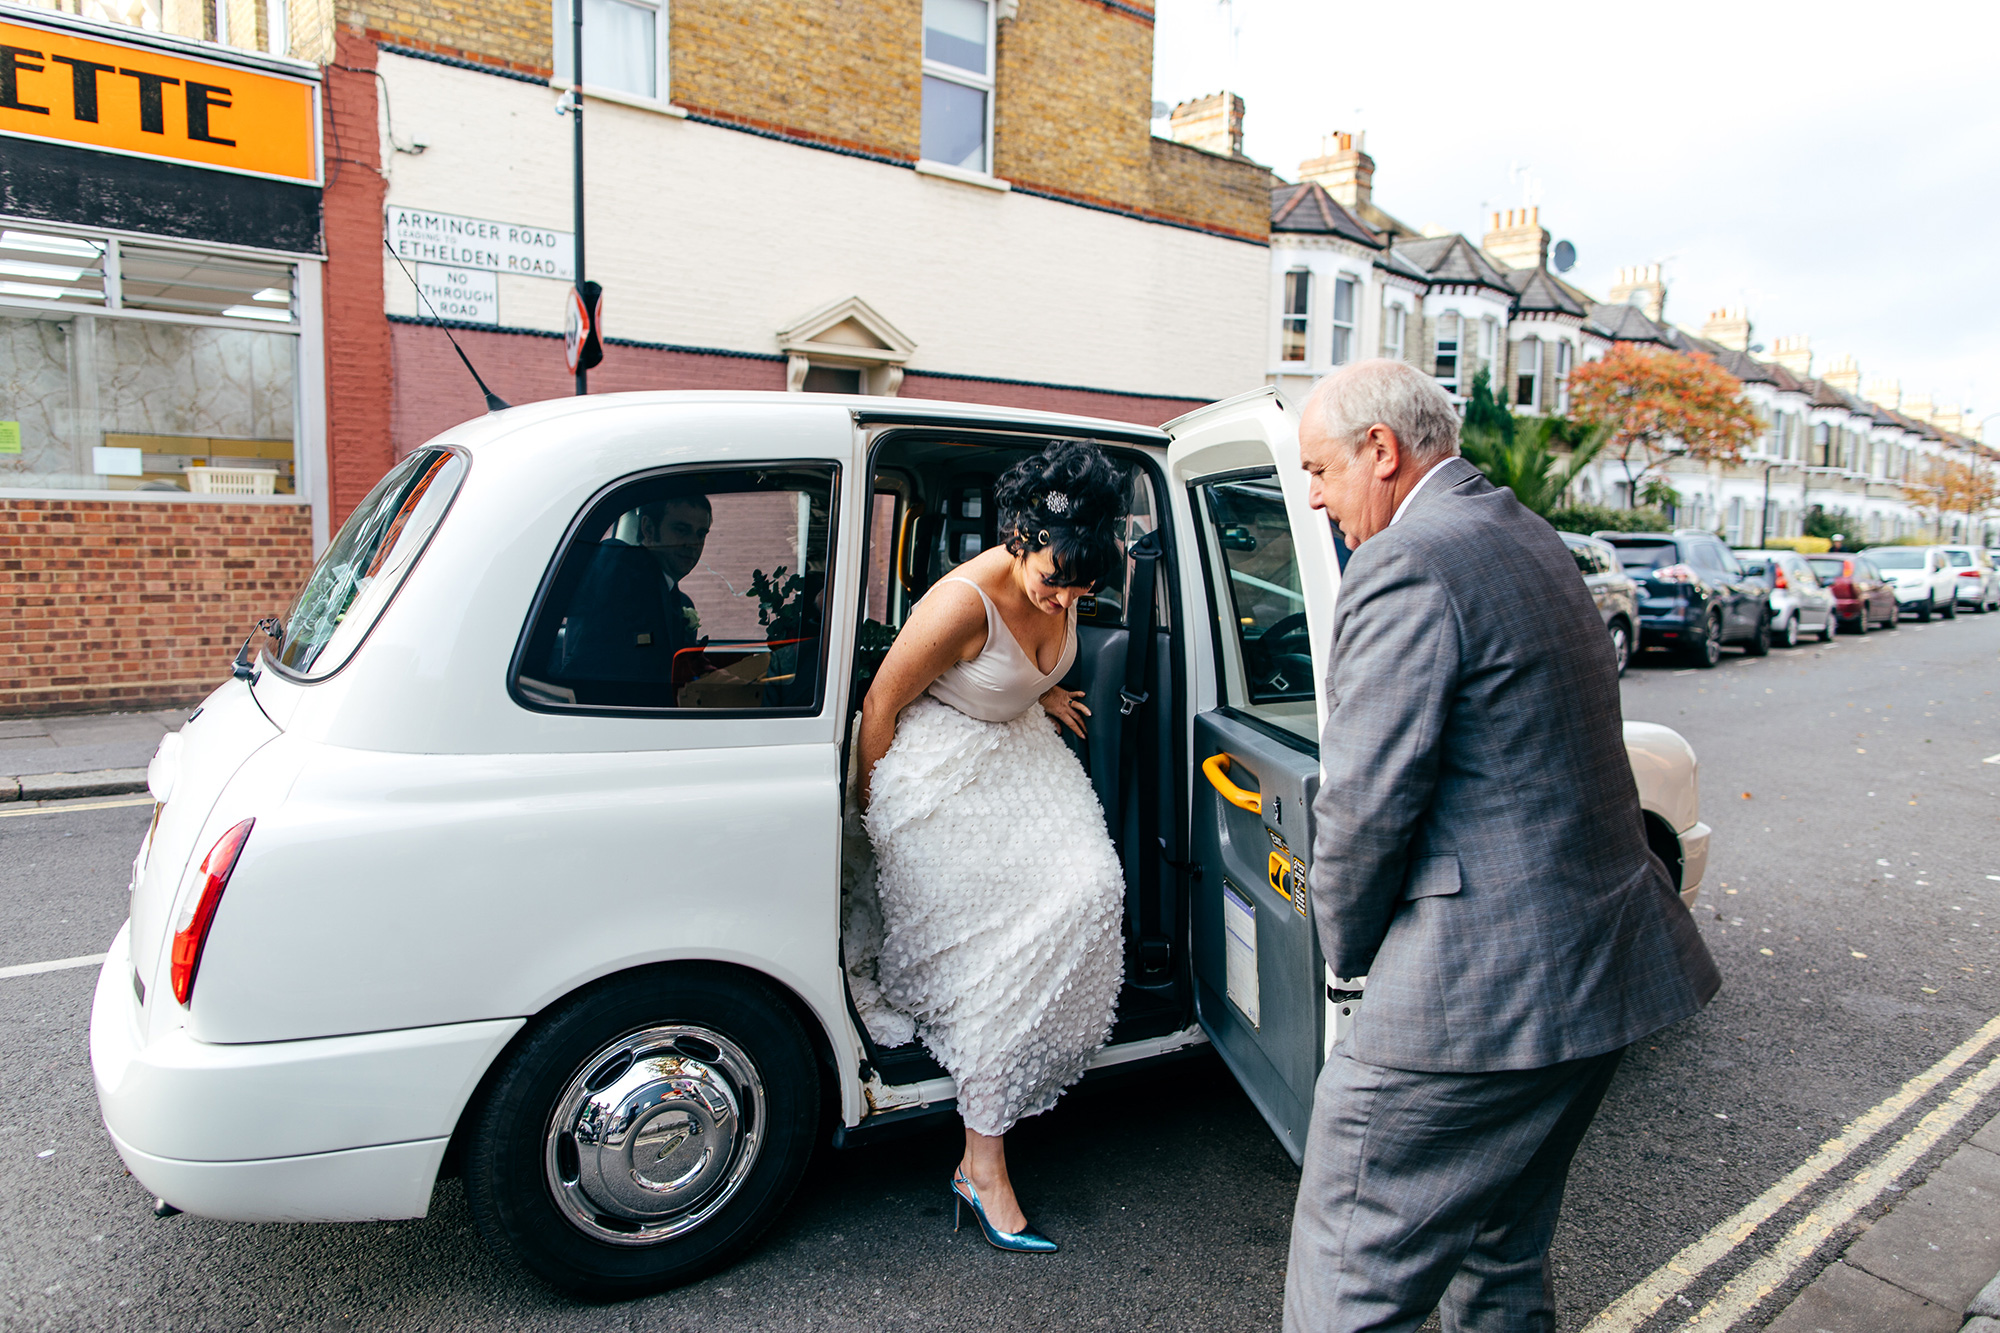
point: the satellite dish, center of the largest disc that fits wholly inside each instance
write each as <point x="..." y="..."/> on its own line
<point x="1564" y="257"/>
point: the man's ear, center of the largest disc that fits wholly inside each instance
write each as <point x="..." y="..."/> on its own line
<point x="1386" y="451"/>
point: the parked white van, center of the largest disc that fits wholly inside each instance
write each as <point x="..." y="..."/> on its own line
<point x="516" y="849"/>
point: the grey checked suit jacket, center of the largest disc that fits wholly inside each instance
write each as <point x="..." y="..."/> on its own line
<point x="1480" y="855"/>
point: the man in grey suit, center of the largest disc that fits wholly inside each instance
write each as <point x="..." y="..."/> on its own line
<point x="1480" y="858"/>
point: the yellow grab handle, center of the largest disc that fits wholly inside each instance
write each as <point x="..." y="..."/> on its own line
<point x="1217" y="765"/>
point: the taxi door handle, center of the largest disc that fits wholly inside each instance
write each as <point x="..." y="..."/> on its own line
<point x="1214" y="768"/>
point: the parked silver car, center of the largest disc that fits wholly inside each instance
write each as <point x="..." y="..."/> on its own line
<point x="1616" y="595"/>
<point x="1977" y="580"/>
<point x="1800" y="603"/>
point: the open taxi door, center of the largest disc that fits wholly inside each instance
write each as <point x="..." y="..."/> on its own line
<point x="1260" y="594"/>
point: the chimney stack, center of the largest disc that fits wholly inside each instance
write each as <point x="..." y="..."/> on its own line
<point x="1344" y="168"/>
<point x="1641" y="286"/>
<point x="1729" y="328"/>
<point x="1886" y="393"/>
<point x="1794" y="354"/>
<point x="1844" y="375"/>
<point x="1518" y="239"/>
<point x="1213" y="124"/>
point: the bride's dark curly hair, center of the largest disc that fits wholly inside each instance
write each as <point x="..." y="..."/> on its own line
<point x="1068" y="498"/>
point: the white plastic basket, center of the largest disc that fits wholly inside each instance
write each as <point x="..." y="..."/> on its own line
<point x="232" y="480"/>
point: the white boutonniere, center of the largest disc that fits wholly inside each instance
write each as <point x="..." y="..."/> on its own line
<point x="693" y="618"/>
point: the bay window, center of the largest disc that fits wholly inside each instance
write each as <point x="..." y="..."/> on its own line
<point x="1394" y="321"/>
<point x="1448" y="331"/>
<point x="1292" y="325"/>
<point x="1528" y="373"/>
<point x="1343" y="320"/>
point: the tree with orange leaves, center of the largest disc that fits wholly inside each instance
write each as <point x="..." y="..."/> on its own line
<point x="1940" y="486"/>
<point x="1662" y="404"/>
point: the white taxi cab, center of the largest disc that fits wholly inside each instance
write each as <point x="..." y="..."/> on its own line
<point x="515" y="850"/>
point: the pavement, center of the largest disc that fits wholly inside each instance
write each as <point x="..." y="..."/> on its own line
<point x="1786" y="1159"/>
<point x="1931" y="1264"/>
<point x="95" y="754"/>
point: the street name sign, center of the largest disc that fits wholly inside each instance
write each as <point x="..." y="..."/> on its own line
<point x="425" y="236"/>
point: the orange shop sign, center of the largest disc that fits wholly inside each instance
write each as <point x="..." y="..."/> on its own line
<point x="146" y="101"/>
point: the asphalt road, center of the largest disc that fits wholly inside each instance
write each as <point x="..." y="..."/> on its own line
<point x="1851" y="900"/>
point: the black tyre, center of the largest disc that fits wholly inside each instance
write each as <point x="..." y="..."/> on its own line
<point x="1830" y="628"/>
<point x="1895" y="620"/>
<point x="1706" y="650"/>
<point x="1760" y="642"/>
<point x="644" y="1132"/>
<point x="1951" y="607"/>
<point x="1861" y="621"/>
<point x="1621" y="644"/>
<point x="1924" y="611"/>
<point x="1788" y="635"/>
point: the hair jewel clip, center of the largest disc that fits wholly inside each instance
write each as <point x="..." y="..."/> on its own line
<point x="1055" y="502"/>
<point x="1042" y="538"/>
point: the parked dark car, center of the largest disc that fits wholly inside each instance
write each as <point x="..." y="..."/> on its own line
<point x="1616" y="595"/>
<point x="1862" y="598"/>
<point x="1693" y="595"/>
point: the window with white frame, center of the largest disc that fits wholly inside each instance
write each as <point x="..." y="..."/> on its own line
<point x="1489" y="337"/>
<point x="1292" y="325"/>
<point x="1448" y="331"/>
<point x="1562" y="377"/>
<point x="624" y="46"/>
<point x="1343" y="320"/>
<point x="1528" y="373"/>
<point x="958" y="84"/>
<point x="1394" y="320"/>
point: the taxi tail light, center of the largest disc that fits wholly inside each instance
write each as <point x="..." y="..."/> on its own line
<point x="1968" y="573"/>
<point x="1675" y="574"/>
<point x="198" y="912"/>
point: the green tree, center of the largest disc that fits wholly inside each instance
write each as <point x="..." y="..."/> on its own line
<point x="1537" y="459"/>
<point x="1823" y="522"/>
<point x="1484" y="413"/>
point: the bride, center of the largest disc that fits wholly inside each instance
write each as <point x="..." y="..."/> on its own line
<point x="1001" y="897"/>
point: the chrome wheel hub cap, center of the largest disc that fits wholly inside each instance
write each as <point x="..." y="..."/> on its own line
<point x="654" y="1134"/>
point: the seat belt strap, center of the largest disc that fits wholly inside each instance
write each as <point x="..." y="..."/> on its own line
<point x="1138" y="746"/>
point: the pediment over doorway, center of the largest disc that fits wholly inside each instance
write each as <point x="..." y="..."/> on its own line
<point x="846" y="335"/>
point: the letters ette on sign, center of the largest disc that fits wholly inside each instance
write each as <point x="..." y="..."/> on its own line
<point x="423" y="237"/>
<point x="131" y="98"/>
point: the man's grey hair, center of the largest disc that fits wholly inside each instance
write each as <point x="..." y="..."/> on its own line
<point x="1394" y="394"/>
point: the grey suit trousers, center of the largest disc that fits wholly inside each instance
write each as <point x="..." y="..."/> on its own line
<point x="1428" y="1189"/>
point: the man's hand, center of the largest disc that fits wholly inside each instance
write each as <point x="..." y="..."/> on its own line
<point x="1067" y="708"/>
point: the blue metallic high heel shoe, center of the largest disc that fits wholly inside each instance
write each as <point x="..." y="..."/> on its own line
<point x="1025" y="1241"/>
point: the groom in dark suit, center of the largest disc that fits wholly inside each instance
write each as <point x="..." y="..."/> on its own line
<point x="1480" y="857"/>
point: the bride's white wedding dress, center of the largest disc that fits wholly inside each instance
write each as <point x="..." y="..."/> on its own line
<point x="1002" y="900"/>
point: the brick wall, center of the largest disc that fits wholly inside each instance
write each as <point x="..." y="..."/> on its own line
<point x="359" y="448"/>
<point x="1073" y="83"/>
<point x="115" y="604"/>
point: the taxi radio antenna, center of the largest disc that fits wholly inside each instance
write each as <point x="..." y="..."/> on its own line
<point x="494" y="402"/>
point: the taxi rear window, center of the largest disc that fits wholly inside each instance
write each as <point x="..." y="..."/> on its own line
<point x="366" y="563"/>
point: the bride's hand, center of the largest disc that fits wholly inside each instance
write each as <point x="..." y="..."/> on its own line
<point x="1067" y="708"/>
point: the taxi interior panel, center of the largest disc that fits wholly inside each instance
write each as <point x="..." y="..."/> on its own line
<point x="932" y="510"/>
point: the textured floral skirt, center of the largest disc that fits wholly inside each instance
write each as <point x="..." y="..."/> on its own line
<point x="1001" y="907"/>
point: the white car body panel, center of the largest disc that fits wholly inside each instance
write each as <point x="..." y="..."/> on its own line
<point x="434" y="864"/>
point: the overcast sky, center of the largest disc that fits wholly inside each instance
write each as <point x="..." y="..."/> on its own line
<point x="1834" y="167"/>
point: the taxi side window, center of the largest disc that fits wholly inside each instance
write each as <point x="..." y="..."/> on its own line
<point x="1259" y="604"/>
<point x="700" y="591"/>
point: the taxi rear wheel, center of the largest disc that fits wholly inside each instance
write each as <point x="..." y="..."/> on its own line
<point x="645" y="1132"/>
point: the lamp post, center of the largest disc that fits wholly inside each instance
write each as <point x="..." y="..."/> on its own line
<point x="576" y="125"/>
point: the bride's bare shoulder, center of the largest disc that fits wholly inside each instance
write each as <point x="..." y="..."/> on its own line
<point x="951" y="612"/>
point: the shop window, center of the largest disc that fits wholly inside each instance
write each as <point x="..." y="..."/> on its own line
<point x="624" y="47"/>
<point x="958" y="84"/>
<point x="129" y="366"/>
<point x="1343" y="321"/>
<point x="1447" y="350"/>
<point x="701" y="591"/>
<point x="1292" y="325"/>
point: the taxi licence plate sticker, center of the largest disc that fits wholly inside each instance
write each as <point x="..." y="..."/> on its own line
<point x="1239" y="943"/>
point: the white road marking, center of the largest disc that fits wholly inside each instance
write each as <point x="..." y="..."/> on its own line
<point x="64" y="809"/>
<point x="1747" y="1289"/>
<point x="1991" y="759"/>
<point x="1639" y="1304"/>
<point x="54" y="965"/>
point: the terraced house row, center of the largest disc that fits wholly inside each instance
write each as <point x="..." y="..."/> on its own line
<point x="227" y="228"/>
